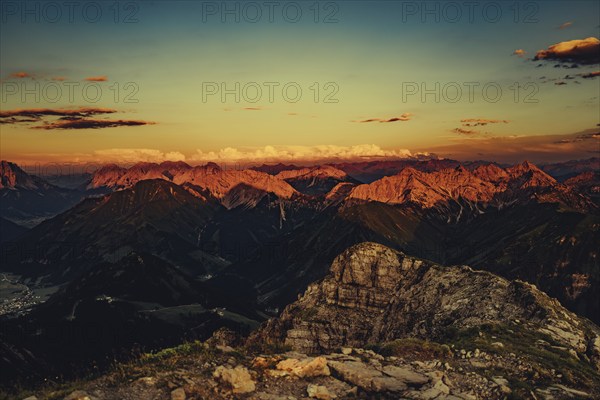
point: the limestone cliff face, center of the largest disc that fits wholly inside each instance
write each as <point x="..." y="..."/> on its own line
<point x="375" y="294"/>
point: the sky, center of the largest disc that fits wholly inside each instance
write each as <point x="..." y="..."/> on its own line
<point x="300" y="81"/>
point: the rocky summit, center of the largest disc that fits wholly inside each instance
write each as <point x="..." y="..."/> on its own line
<point x="375" y="294"/>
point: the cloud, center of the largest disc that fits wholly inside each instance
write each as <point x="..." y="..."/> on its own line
<point x="473" y="122"/>
<point x="580" y="137"/>
<point x="321" y="153"/>
<point x="16" y="120"/>
<point x="252" y="108"/>
<point x="482" y="121"/>
<point x="100" y="78"/>
<point x="21" y="75"/>
<point x="462" y="131"/>
<point x="60" y="112"/>
<point x="402" y="117"/>
<point x="65" y="118"/>
<point x="565" y="25"/>
<point x="136" y="155"/>
<point x="590" y="75"/>
<point x="59" y="78"/>
<point x="511" y="149"/>
<point x="86" y="123"/>
<point x="519" y="53"/>
<point x="584" y="51"/>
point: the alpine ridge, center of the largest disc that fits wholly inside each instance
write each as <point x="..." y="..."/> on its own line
<point x="487" y="185"/>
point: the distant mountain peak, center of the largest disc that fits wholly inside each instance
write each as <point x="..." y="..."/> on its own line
<point x="13" y="177"/>
<point x="274" y="169"/>
<point x="324" y="171"/>
<point x="212" y="165"/>
<point x="175" y="164"/>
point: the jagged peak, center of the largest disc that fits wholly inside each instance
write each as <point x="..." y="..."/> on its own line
<point x="528" y="165"/>
<point x="531" y="172"/>
<point x="406" y="172"/>
<point x="8" y="166"/>
<point x="12" y="176"/>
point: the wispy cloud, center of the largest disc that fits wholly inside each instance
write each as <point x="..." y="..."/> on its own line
<point x="85" y="123"/>
<point x="510" y="149"/>
<point x="565" y="25"/>
<point x="590" y="75"/>
<point x="65" y="118"/>
<point x="462" y="131"/>
<point x="481" y="121"/>
<point x="60" y="112"/>
<point x="475" y="122"/>
<point x="100" y="78"/>
<point x="580" y="138"/>
<point x="21" y="75"/>
<point x="402" y="117"/>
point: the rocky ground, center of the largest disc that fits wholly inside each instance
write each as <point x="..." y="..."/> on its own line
<point x="403" y="369"/>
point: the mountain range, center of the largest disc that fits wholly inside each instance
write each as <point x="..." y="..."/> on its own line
<point x="172" y="251"/>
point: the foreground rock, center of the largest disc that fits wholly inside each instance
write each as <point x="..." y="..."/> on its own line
<point x="401" y="370"/>
<point x="238" y="379"/>
<point x="307" y="368"/>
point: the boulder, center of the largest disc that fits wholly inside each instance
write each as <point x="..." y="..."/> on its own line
<point x="309" y="367"/>
<point x="238" y="379"/>
<point x="319" y="392"/>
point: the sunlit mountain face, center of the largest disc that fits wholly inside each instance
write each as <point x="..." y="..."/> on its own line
<point x="328" y="199"/>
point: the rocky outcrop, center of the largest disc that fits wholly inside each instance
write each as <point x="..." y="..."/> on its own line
<point x="374" y="294"/>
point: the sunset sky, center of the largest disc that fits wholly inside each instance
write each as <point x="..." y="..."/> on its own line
<point x="365" y="58"/>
